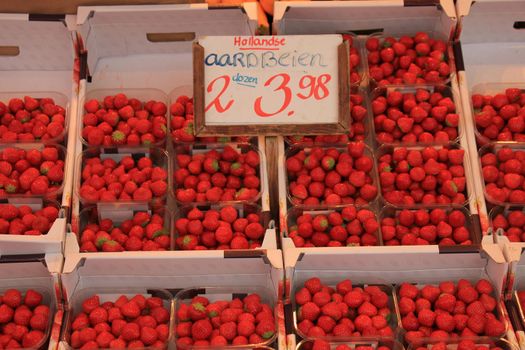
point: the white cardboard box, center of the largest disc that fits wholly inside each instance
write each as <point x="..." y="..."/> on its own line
<point x="45" y="63"/>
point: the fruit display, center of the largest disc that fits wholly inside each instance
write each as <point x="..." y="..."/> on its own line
<point x="34" y="171"/>
<point x="226" y="173"/>
<point x="123" y="322"/>
<point x="210" y="320"/>
<point x="407" y="60"/>
<point x="425" y="226"/>
<point x="141" y="176"/>
<point x="358" y="126"/>
<point x="121" y="120"/>
<point x="25" y="319"/>
<point x="344" y="310"/>
<point x="331" y="176"/>
<point x="426" y="115"/>
<point x="349" y="226"/>
<point x="227" y="227"/>
<point x="30" y="119"/>
<point x="501" y="116"/>
<point x="466" y="309"/>
<point x="503" y="174"/>
<point x="23" y="220"/>
<point x="511" y="221"/>
<point x="144" y="231"/>
<point x="422" y="175"/>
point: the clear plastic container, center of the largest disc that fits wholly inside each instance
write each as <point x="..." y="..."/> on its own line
<point x="196" y="148"/>
<point x="382" y="36"/>
<point x="120" y="213"/>
<point x="243" y="209"/>
<point x="311" y="140"/>
<point x="143" y="95"/>
<point x="490" y="89"/>
<point x="387" y="89"/>
<point x="187" y="90"/>
<point x="383" y="150"/>
<point x="112" y="294"/>
<point x="294" y="213"/>
<point x="59" y="99"/>
<point x="54" y="194"/>
<point x="35" y="204"/>
<point x="498" y="311"/>
<point x="48" y="299"/>
<point x="158" y="156"/>
<point x="394" y="321"/>
<point x="213" y="294"/>
<point x="342" y="149"/>
<point x="494" y="148"/>
<point x="390" y="211"/>
<point x="375" y="344"/>
<point x="452" y="344"/>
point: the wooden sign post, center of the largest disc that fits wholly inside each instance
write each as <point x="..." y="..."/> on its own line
<point x="273" y="85"/>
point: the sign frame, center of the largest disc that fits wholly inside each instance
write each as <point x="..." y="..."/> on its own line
<point x="339" y="127"/>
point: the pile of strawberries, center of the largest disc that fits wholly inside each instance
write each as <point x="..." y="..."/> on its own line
<point x="503" y="172"/>
<point x="240" y="321"/>
<point x="343" y="311"/>
<point x="346" y="227"/>
<point x="425" y="226"/>
<point x="354" y="60"/>
<point x="320" y="344"/>
<point x="24" y="319"/>
<point x="145" y="231"/>
<point x="407" y="60"/>
<point x="23" y="220"/>
<point x="31" y="120"/>
<point x="512" y="223"/>
<point x="449" y="309"/>
<point x="331" y="176"/>
<point x="128" y="179"/>
<point x="465" y="344"/>
<point x="357" y="131"/>
<point x="221" y="174"/>
<point x="431" y="175"/>
<point x="420" y="117"/>
<point x="223" y="228"/>
<point x="30" y="172"/>
<point x="501" y="117"/>
<point x="119" y="120"/>
<point x="137" y="322"/>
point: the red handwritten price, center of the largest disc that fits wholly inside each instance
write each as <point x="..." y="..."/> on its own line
<point x="309" y="86"/>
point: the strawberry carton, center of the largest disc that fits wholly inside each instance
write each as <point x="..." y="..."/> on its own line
<point x="106" y="176"/>
<point x="104" y="318"/>
<point x="124" y="118"/>
<point x="330" y="176"/>
<point x="33" y="171"/>
<point x="30" y="308"/>
<point x="31" y="225"/>
<point x="238" y="226"/>
<point x="426" y="175"/>
<point x="33" y="117"/>
<point x="320" y="344"/>
<point x="204" y="174"/>
<point x="112" y="228"/>
<point x="508" y="221"/>
<point x="408" y="115"/>
<point x="342" y="227"/>
<point x="225" y="317"/>
<point x="429" y="225"/>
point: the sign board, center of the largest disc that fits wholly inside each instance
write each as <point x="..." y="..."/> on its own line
<point x="271" y="85"/>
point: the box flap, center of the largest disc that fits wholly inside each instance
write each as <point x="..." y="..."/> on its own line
<point x="165" y="29"/>
<point x="491" y="21"/>
<point x="321" y="17"/>
<point x="35" y="44"/>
